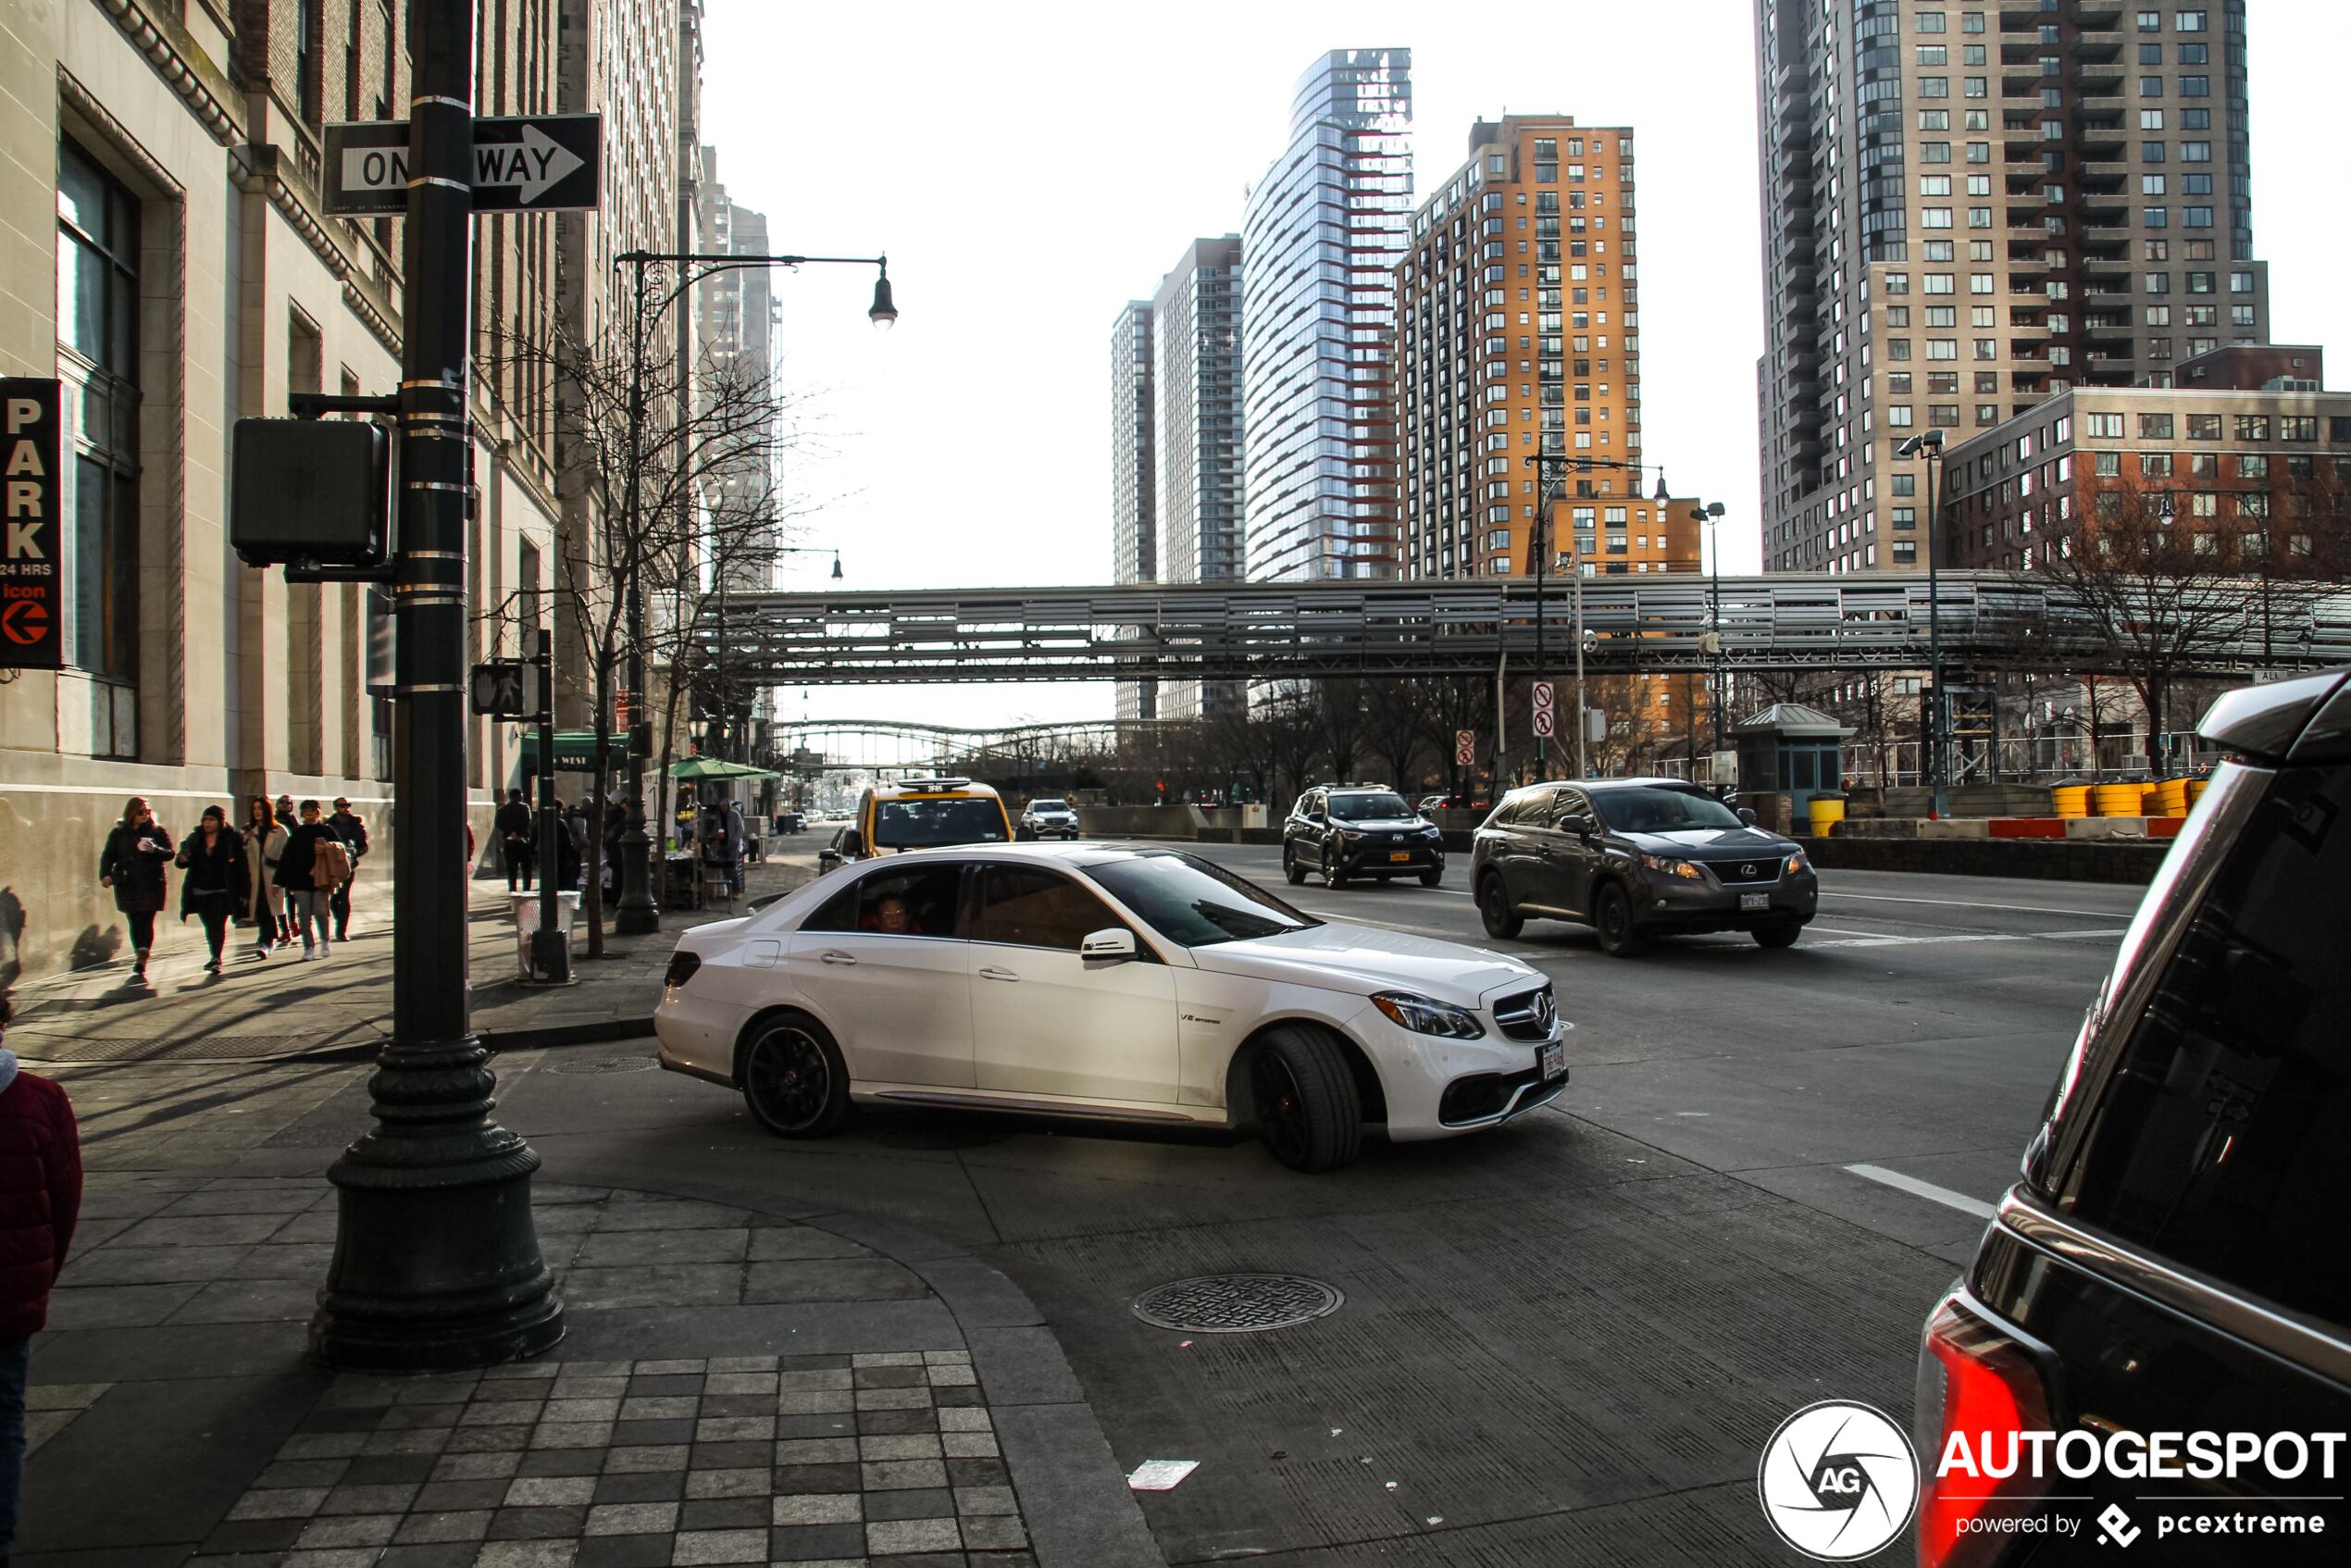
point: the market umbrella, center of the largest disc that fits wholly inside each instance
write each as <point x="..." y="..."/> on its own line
<point x="715" y="768"/>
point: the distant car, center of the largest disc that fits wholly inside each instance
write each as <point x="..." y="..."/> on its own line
<point x="1446" y="802"/>
<point x="1347" y="830"/>
<point x="1636" y="857"/>
<point x="2176" y="1257"/>
<point x="1050" y="819"/>
<point x="791" y="821"/>
<point x="918" y="814"/>
<point x="1125" y="983"/>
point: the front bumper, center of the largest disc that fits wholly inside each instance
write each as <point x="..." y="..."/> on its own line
<point x="1378" y="859"/>
<point x="1491" y="1080"/>
<point x="1675" y="904"/>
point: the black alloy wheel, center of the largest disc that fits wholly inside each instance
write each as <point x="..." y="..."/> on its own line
<point x="1432" y="877"/>
<point x="1292" y="873"/>
<point x="1620" y="936"/>
<point x="1334" y="866"/>
<point x="1782" y="935"/>
<point x="1308" y="1109"/>
<point x="794" y="1079"/>
<point x="1494" y="908"/>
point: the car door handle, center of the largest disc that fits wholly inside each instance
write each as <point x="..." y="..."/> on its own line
<point x="992" y="973"/>
<point x="835" y="957"/>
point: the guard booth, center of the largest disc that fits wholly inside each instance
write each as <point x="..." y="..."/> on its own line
<point x="1791" y="750"/>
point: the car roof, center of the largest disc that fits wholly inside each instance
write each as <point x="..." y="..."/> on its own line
<point x="930" y="787"/>
<point x="2308" y="718"/>
<point x="1078" y="853"/>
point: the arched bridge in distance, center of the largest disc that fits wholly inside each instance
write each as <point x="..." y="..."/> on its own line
<point x="1988" y="622"/>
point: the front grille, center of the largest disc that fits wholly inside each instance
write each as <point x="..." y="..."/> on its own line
<point x="1731" y="873"/>
<point x="1528" y="1016"/>
<point x="1483" y="1095"/>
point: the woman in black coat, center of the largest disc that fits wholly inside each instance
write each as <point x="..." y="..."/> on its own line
<point x="218" y="883"/>
<point x="132" y="864"/>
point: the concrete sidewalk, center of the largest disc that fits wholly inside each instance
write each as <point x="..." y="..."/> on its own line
<point x="281" y="1008"/>
<point x="743" y="1380"/>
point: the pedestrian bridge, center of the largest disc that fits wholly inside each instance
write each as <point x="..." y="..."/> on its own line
<point x="1257" y="632"/>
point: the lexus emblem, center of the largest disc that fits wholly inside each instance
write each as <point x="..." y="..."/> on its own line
<point x="1747" y="870"/>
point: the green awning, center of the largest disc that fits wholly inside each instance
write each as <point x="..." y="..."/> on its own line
<point x="574" y="750"/>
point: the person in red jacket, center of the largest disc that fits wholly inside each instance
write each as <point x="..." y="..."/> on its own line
<point x="40" y="1197"/>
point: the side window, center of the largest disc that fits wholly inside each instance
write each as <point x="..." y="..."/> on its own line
<point x="2223" y="1140"/>
<point x="1567" y="803"/>
<point x="902" y="901"/>
<point x="1028" y="907"/>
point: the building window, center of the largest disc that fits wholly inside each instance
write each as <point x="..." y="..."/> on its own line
<point x="98" y="357"/>
<point x="2106" y="424"/>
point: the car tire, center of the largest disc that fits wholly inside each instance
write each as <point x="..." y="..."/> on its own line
<point x="1292" y="873"/>
<point x="1781" y="935"/>
<point x="1620" y="936"/>
<point x="1334" y="870"/>
<point x="792" y="1077"/>
<point x="1494" y="909"/>
<point x="1432" y="877"/>
<point x="1308" y="1111"/>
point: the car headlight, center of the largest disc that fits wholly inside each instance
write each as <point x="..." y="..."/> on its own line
<point x="1424" y="1016"/>
<point x="1350" y="835"/>
<point x="1681" y="868"/>
<point x="1797" y="863"/>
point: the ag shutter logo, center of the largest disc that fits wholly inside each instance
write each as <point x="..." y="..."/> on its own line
<point x="1838" y="1480"/>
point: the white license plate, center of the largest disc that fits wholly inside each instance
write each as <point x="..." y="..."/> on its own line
<point x="1755" y="901"/>
<point x="1553" y="1059"/>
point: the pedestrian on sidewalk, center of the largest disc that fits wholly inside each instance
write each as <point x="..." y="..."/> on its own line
<point x="214" y="889"/>
<point x="287" y="820"/>
<point x="567" y="850"/>
<point x="352" y="829"/>
<point x="265" y="844"/>
<point x="308" y="871"/>
<point x="40" y="1198"/>
<point x="132" y="864"/>
<point x="514" y="826"/>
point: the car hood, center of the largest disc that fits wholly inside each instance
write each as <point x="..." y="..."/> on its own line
<point x="1338" y="956"/>
<point x="1711" y="843"/>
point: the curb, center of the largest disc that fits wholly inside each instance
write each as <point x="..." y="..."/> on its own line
<point x="553" y="1036"/>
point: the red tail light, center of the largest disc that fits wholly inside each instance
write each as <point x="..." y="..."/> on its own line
<point x="1976" y="1379"/>
<point x="682" y="966"/>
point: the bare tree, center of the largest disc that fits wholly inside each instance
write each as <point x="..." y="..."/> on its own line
<point x="642" y="432"/>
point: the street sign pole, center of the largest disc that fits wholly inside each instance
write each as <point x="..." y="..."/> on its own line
<point x="550" y="945"/>
<point x="436" y="1262"/>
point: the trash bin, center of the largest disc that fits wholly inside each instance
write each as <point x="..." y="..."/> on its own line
<point x="1824" y="812"/>
<point x="526" y="921"/>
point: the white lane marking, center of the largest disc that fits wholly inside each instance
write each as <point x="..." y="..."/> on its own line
<point x="2115" y="935"/>
<point x="1927" y="941"/>
<point x="1959" y="903"/>
<point x="1925" y="1189"/>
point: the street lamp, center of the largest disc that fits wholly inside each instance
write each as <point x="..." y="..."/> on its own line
<point x="637" y="913"/>
<point x="1929" y="444"/>
<point x="1718" y="685"/>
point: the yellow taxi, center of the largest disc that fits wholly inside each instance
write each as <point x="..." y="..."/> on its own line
<point x="919" y="814"/>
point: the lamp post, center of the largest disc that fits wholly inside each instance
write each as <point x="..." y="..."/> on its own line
<point x="1929" y="444"/>
<point x="1718" y="683"/>
<point x="638" y="912"/>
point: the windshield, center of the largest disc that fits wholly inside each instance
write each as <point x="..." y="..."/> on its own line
<point x="1661" y="811"/>
<point x="1369" y="807"/>
<point x="1047" y="805"/>
<point x="965" y="819"/>
<point x="1194" y="904"/>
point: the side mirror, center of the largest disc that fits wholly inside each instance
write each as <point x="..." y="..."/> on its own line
<point x="1746" y="814"/>
<point x="827" y="859"/>
<point x="1575" y="822"/>
<point x="1114" y="945"/>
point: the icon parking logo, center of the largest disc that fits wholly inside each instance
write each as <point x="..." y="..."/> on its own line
<point x="1838" y="1480"/>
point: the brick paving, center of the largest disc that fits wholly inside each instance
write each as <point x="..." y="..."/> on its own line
<point x="824" y="1462"/>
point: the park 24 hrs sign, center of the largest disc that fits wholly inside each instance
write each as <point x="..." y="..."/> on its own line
<point x="530" y="163"/>
<point x="31" y="584"/>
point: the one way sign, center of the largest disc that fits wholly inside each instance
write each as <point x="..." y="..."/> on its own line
<point x="538" y="163"/>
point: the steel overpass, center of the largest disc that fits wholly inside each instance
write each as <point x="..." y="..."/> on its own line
<point x="1247" y="630"/>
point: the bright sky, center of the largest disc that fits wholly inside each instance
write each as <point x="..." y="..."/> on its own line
<point x="1030" y="168"/>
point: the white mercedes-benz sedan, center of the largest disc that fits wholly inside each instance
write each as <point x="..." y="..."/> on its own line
<point x="1124" y="982"/>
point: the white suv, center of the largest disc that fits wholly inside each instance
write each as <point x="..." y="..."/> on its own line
<point x="1129" y="983"/>
<point x="1050" y="819"/>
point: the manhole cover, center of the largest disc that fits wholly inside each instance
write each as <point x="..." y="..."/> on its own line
<point x="608" y="1065"/>
<point x="1236" y="1303"/>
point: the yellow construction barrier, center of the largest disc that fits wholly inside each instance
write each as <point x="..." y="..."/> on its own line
<point x="2196" y="791"/>
<point x="2072" y="800"/>
<point x="2118" y="799"/>
<point x="2171" y="798"/>
<point x="1825" y="815"/>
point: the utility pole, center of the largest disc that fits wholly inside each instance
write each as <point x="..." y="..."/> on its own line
<point x="637" y="913"/>
<point x="436" y="1262"/>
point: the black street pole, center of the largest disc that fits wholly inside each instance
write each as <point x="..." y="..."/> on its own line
<point x="550" y="945"/>
<point x="436" y="1262"/>
<point x="1934" y="633"/>
<point x="637" y="913"/>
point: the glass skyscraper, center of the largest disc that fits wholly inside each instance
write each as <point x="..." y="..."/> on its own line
<point x="1324" y="233"/>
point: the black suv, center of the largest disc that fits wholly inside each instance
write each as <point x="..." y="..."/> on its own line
<point x="2177" y="1257"/>
<point x="1345" y="830"/>
<point x="1633" y="857"/>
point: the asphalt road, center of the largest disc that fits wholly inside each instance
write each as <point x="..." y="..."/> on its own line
<point x="1565" y="1340"/>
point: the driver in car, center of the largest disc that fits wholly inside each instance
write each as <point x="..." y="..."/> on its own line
<point x="889" y="916"/>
